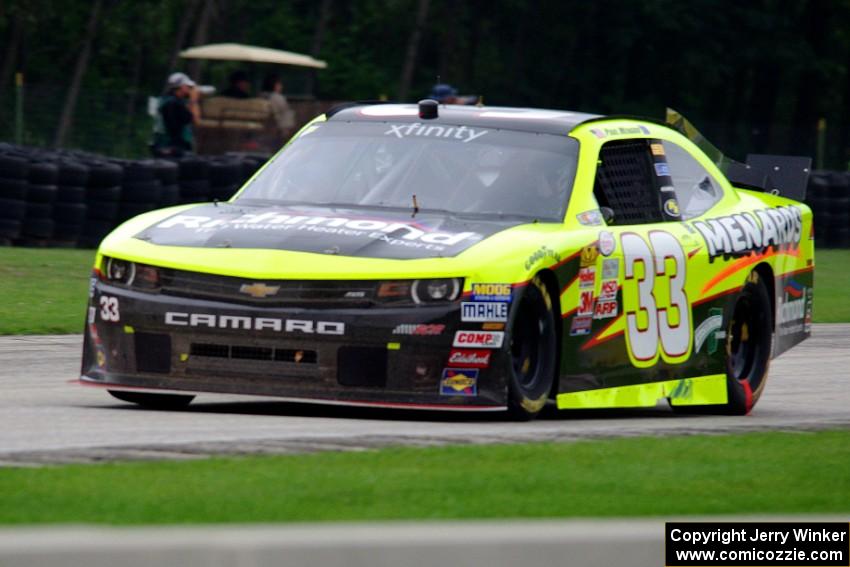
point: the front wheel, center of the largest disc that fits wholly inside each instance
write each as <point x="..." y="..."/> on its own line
<point x="153" y="401"/>
<point x="533" y="348"/>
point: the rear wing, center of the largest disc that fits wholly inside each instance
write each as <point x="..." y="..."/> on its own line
<point x="787" y="176"/>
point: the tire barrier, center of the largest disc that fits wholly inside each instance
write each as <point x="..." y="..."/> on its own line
<point x="828" y="195"/>
<point x="74" y="199"/>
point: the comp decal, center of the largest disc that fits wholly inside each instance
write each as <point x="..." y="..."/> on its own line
<point x="655" y="303"/>
<point x="743" y="233"/>
<point x="480" y="339"/>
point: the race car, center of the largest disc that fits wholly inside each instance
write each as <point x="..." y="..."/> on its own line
<point x="446" y="257"/>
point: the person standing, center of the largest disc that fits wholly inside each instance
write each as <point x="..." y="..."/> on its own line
<point x="178" y="112"/>
<point x="284" y="116"/>
<point x="239" y="87"/>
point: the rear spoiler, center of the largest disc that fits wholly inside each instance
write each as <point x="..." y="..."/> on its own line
<point x="787" y="176"/>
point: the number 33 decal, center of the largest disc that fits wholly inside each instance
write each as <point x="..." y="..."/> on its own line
<point x="658" y="313"/>
<point x="109" y="309"/>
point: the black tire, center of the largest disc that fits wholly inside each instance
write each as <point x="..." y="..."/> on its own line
<point x="103" y="174"/>
<point x="193" y="169"/>
<point x="70" y="194"/>
<point x="223" y="193"/>
<point x="69" y="213"/>
<point x="9" y="229"/>
<point x="43" y="173"/>
<point x="41" y="193"/>
<point x="167" y="172"/>
<point x="170" y="196"/>
<point x="97" y="229"/>
<point x="102" y="210"/>
<point x="38" y="228"/>
<point x="13" y="209"/>
<point x="748" y="343"/>
<point x="112" y="194"/>
<point x="66" y="234"/>
<point x="13" y="188"/>
<point x="39" y="210"/>
<point x="13" y="167"/>
<point x="142" y="192"/>
<point x="533" y="351"/>
<point x="139" y="171"/>
<point x="153" y="401"/>
<point x="127" y="211"/>
<point x="225" y="173"/>
<point x="193" y="191"/>
<point x="72" y="173"/>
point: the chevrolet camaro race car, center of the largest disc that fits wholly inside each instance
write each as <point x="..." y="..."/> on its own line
<point x="465" y="258"/>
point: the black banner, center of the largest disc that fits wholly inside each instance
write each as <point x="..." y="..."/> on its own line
<point x="762" y="544"/>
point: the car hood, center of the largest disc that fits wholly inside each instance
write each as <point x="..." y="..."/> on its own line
<point x="364" y="233"/>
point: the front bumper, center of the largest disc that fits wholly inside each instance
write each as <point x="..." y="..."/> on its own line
<point x="365" y="356"/>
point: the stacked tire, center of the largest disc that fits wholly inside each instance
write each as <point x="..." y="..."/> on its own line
<point x="168" y="174"/>
<point x="226" y="176"/>
<point x="103" y="194"/>
<point x="194" y="178"/>
<point x="13" y="197"/>
<point x="141" y="189"/>
<point x="41" y="195"/>
<point x="829" y="197"/>
<point x="69" y="208"/>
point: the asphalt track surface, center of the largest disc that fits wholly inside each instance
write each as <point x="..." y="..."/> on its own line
<point x="46" y="418"/>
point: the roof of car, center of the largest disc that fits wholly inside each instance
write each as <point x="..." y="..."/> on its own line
<point x="508" y="118"/>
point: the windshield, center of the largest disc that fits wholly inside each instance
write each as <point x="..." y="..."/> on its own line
<point x="458" y="169"/>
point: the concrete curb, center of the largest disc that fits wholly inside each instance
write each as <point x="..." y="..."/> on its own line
<point x="527" y="543"/>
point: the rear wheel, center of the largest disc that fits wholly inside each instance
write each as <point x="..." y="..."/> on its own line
<point x="153" y="401"/>
<point x="533" y="348"/>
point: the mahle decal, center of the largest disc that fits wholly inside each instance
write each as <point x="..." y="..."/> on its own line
<point x="740" y="234"/>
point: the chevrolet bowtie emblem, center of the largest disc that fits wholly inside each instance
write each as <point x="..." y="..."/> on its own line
<point x="259" y="290"/>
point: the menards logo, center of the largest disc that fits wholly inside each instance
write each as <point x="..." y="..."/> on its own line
<point x="743" y="233"/>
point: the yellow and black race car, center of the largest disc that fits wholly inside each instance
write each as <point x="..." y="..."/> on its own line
<point x="465" y="258"/>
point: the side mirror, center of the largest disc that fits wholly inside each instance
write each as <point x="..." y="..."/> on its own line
<point x="607" y="214"/>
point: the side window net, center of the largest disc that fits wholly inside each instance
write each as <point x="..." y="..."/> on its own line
<point x="625" y="182"/>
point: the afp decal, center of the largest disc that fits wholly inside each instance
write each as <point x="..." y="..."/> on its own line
<point x="459" y="382"/>
<point x="605" y="309"/>
<point x="740" y="234"/>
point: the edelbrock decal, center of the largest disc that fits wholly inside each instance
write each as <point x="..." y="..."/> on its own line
<point x="462" y="133"/>
<point x="470" y="358"/>
<point x="239" y="322"/>
<point x="395" y="233"/>
<point x="742" y="233"/>
<point x="483" y="311"/>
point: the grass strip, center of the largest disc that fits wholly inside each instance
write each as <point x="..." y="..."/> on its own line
<point x="769" y="473"/>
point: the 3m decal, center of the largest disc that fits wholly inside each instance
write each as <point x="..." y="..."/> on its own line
<point x="459" y="382"/>
<point x="481" y="311"/>
<point x="109" y="309"/>
<point x="710" y="332"/>
<point x="590" y="218"/>
<point x="581" y="326"/>
<point x="657" y="309"/>
<point x="239" y="322"/>
<point x="585" y="303"/>
<point x="740" y="234"/>
<point x="419" y="329"/>
<point x="607" y="243"/>
<point x="662" y="169"/>
<point x="470" y="358"/>
<point x="605" y="309"/>
<point x="541" y="253"/>
<point x="610" y="268"/>
<point x="587" y="277"/>
<point x="482" y="339"/>
<point x="491" y="292"/>
<point x="462" y="133"/>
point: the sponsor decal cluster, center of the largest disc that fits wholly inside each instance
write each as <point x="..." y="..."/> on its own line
<point x="470" y="358"/>
<point x="463" y="133"/>
<point x="794" y="308"/>
<point x="491" y="292"/>
<point x="542" y="253"/>
<point x="710" y="332"/>
<point x="479" y="339"/>
<point x="419" y="329"/>
<point x="483" y="311"/>
<point x="743" y="233"/>
<point x="245" y="323"/>
<point x="393" y="233"/>
<point x="459" y="382"/>
<point x="586" y="282"/>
